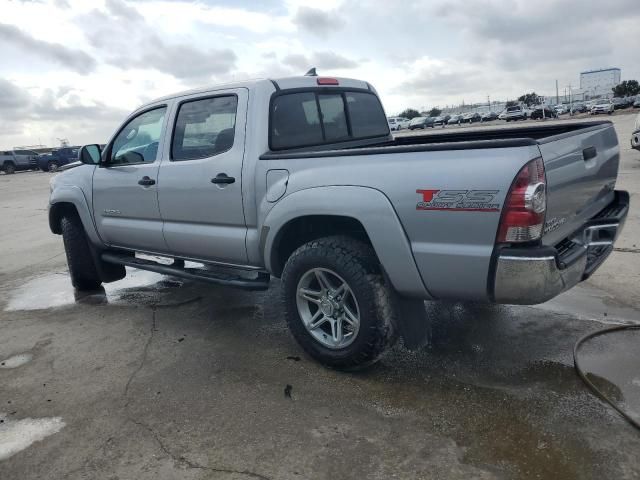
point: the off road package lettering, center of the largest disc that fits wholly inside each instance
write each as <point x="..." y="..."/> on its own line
<point x="458" y="200"/>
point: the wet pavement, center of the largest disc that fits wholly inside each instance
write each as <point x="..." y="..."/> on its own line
<point x="154" y="377"/>
<point x="160" y="378"/>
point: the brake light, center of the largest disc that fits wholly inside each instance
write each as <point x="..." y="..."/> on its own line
<point x="525" y="206"/>
<point x="327" y="81"/>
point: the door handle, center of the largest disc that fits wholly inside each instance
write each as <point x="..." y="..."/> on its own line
<point x="146" y="181"/>
<point x="223" y="179"/>
<point x="589" y="153"/>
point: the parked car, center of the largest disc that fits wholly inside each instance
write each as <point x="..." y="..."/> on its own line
<point x="421" y="122"/>
<point x="579" y="108"/>
<point x="57" y="158"/>
<point x="398" y="123"/>
<point x="441" y="120"/>
<point x="636" y="103"/>
<point x="543" y="112"/>
<point x="503" y="115"/>
<point x="560" y="109"/>
<point x="455" y="118"/>
<point x="620" y="103"/>
<point x="516" y="112"/>
<point x="471" y="117"/>
<point x="354" y="246"/>
<point x="602" y="106"/>
<point x="12" y="161"/>
<point x="635" y="136"/>
<point x="489" y="116"/>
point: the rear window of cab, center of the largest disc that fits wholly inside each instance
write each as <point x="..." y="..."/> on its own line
<point x="311" y="118"/>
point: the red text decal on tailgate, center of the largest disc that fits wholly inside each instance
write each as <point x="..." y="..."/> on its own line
<point x="458" y="200"/>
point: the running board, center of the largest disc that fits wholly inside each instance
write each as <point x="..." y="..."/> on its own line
<point x="261" y="282"/>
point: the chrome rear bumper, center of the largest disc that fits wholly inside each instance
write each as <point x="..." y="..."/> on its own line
<point x="528" y="276"/>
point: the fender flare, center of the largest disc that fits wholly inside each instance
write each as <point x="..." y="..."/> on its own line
<point x="65" y="195"/>
<point x="376" y="214"/>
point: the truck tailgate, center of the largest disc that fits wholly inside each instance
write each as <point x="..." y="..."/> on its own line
<point x="581" y="169"/>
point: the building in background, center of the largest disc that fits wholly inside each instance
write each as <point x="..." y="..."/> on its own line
<point x="599" y="82"/>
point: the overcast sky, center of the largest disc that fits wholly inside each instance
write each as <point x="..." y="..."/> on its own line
<point x="74" y="68"/>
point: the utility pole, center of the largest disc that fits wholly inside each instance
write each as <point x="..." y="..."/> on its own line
<point x="557" y="94"/>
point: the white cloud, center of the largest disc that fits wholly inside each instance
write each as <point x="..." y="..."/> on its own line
<point x="116" y="54"/>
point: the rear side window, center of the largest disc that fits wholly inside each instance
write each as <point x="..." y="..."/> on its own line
<point x="204" y="128"/>
<point x="306" y="119"/>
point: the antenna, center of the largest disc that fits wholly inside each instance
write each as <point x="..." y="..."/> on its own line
<point x="311" y="73"/>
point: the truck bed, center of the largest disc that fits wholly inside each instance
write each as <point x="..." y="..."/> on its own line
<point x="452" y="140"/>
<point x="453" y="249"/>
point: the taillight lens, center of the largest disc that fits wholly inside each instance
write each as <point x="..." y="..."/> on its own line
<point x="525" y="206"/>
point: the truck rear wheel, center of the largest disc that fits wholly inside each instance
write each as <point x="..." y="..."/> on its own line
<point x="337" y="303"/>
<point x="82" y="269"/>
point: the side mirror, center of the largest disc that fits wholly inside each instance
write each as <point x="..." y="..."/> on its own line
<point x="90" y="154"/>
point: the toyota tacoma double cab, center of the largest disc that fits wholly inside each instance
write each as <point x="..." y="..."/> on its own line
<point x="300" y="179"/>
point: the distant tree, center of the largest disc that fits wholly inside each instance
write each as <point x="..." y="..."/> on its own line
<point x="529" y="99"/>
<point x="434" y="112"/>
<point x="628" y="88"/>
<point x="512" y="103"/>
<point x="410" y="113"/>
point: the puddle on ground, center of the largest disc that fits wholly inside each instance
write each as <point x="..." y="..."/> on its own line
<point x="16" y="361"/>
<point x="140" y="287"/>
<point x="615" y="357"/>
<point x="588" y="303"/>
<point x="16" y="435"/>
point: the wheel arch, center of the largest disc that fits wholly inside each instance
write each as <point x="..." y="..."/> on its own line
<point x="360" y="212"/>
<point x="68" y="200"/>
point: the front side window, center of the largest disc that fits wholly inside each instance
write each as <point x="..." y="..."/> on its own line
<point x="138" y="141"/>
<point x="204" y="128"/>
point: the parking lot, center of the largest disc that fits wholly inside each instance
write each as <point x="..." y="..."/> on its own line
<point x="160" y="378"/>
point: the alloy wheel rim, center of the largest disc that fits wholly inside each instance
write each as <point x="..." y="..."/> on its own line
<point x="328" y="308"/>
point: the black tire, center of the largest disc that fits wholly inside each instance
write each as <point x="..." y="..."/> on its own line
<point x="9" y="168"/>
<point x="82" y="269"/>
<point x="357" y="264"/>
<point x="52" y="166"/>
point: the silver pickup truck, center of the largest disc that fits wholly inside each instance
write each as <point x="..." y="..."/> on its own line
<point x="300" y="179"/>
<point x="14" y="160"/>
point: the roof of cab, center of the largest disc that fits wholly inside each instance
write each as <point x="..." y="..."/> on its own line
<point x="284" y="83"/>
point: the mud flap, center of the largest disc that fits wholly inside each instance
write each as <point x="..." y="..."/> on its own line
<point x="108" y="272"/>
<point x="413" y="322"/>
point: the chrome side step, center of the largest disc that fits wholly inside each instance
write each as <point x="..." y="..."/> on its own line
<point x="260" y="282"/>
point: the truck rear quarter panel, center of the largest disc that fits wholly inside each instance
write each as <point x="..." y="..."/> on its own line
<point x="451" y="248"/>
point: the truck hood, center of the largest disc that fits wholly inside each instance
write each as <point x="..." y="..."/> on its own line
<point x="69" y="166"/>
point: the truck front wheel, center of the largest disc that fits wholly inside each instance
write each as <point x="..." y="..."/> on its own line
<point x="82" y="269"/>
<point x="337" y="303"/>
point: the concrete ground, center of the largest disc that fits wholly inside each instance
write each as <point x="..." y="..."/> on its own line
<point x="157" y="378"/>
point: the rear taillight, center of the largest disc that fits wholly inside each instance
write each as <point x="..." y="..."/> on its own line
<point x="525" y="205"/>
